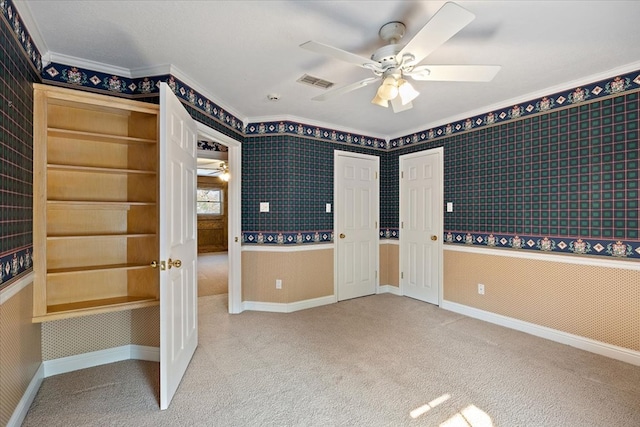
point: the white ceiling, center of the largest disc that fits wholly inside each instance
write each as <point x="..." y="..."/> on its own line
<point x="238" y="52"/>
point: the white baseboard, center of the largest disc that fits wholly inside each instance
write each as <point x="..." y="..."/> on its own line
<point x="389" y="289"/>
<point x="27" y="399"/>
<point x="593" y="346"/>
<point x="101" y="357"/>
<point x="276" y="307"/>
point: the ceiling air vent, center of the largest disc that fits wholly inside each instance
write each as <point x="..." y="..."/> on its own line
<point x="314" y="81"/>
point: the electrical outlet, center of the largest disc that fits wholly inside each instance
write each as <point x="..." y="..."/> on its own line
<point x="278" y="284"/>
<point x="480" y="288"/>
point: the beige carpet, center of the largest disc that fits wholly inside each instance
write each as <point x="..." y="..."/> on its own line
<point x="213" y="274"/>
<point x="381" y="360"/>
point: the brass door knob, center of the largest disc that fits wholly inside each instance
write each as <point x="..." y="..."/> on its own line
<point x="156" y="264"/>
<point x="434" y="237"/>
<point x="342" y="236"/>
<point x="177" y="263"/>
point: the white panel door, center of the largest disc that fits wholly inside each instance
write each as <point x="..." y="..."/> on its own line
<point x="356" y="203"/>
<point x="178" y="244"/>
<point x="421" y="225"/>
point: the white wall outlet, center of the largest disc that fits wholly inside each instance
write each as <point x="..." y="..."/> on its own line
<point x="264" y="206"/>
<point x="327" y="208"/>
<point x="480" y="288"/>
<point x="449" y="206"/>
<point x="278" y="284"/>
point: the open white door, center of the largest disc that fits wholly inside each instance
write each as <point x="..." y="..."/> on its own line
<point x="178" y="243"/>
<point x="421" y="225"/>
<point x="356" y="232"/>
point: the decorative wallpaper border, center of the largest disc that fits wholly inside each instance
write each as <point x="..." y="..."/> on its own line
<point x="612" y="248"/>
<point x="294" y="238"/>
<point x="13" y="264"/>
<point x="590" y="92"/>
<point x="22" y="34"/>
<point x="321" y="133"/>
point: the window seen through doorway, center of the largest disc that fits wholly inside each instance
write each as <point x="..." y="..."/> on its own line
<point x="209" y="201"/>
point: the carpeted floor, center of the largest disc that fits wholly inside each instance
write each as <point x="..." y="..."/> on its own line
<point x="381" y="360"/>
<point x="213" y="273"/>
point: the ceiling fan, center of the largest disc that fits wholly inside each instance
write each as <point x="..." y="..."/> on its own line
<point x="394" y="62"/>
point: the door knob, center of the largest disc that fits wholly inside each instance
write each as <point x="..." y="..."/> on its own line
<point x="177" y="263"/>
<point x="434" y="237"/>
<point x="342" y="236"/>
<point x="156" y="264"/>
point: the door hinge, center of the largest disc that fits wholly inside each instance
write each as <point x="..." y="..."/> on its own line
<point x="401" y="174"/>
<point x="376" y="175"/>
<point x="376" y="224"/>
<point x="376" y="274"/>
<point x="402" y="224"/>
<point x="401" y="275"/>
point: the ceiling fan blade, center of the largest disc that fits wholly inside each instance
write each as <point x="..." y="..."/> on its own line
<point x="450" y="19"/>
<point x="455" y="73"/>
<point x="345" y="89"/>
<point x="396" y="103"/>
<point x="340" y="54"/>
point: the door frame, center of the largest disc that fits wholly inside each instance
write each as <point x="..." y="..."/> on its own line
<point x="336" y="184"/>
<point x="235" y="213"/>
<point x="439" y="151"/>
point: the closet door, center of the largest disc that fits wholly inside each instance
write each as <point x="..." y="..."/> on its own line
<point x="178" y="243"/>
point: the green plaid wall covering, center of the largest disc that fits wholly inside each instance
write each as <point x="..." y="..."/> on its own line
<point x="564" y="181"/>
<point x="17" y="73"/>
<point x="295" y="175"/>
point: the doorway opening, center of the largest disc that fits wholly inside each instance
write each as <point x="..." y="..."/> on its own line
<point x="215" y="261"/>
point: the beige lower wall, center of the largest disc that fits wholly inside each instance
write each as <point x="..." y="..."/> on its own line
<point x="20" y="353"/>
<point x="78" y="335"/>
<point x="389" y="264"/>
<point x="305" y="274"/>
<point x="599" y="303"/>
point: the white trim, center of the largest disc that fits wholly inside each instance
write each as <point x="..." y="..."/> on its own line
<point x="100" y="357"/>
<point x="15" y="287"/>
<point x="545" y="256"/>
<point x="389" y="289"/>
<point x="287" y="248"/>
<point x="593" y="346"/>
<point x="234" y="226"/>
<point x="276" y="307"/>
<point x="88" y="64"/>
<point x="20" y="412"/>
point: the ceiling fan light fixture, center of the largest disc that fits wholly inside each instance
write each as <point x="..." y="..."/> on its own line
<point x="406" y="91"/>
<point x="379" y="101"/>
<point x="388" y="90"/>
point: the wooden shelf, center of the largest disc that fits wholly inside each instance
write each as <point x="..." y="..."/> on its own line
<point x="100" y="236"/>
<point x="98" y="137"/>
<point x="81" y="204"/>
<point x="96" y="268"/>
<point x="84" y="308"/>
<point x="93" y="169"/>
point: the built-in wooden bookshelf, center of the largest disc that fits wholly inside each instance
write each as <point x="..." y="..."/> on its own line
<point x="95" y="203"/>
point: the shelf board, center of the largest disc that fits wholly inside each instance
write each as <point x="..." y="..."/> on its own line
<point x="95" y="169"/>
<point x="100" y="236"/>
<point x="92" y="204"/>
<point x="98" y="137"/>
<point x="96" y="268"/>
<point x="84" y="308"/>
